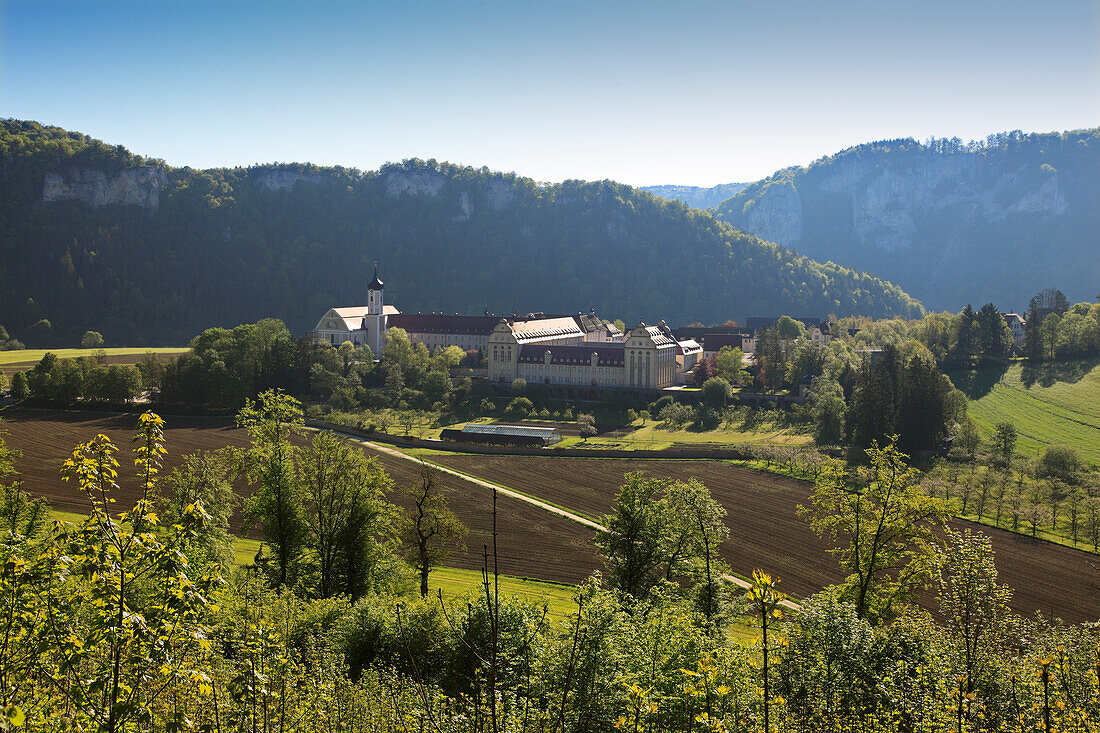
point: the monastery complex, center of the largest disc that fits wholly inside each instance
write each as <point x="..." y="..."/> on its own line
<point x="571" y="350"/>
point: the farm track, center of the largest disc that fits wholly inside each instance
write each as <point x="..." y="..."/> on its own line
<point x="765" y="531"/>
<point x="531" y="542"/>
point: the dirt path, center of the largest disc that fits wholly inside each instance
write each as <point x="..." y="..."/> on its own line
<point x="739" y="582"/>
<point x="465" y="477"/>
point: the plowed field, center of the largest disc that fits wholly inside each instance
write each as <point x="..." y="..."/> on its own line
<point x="766" y="533"/>
<point x="531" y="542"/>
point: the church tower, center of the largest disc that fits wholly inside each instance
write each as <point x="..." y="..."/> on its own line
<point x="374" y="294"/>
<point x="375" y="319"/>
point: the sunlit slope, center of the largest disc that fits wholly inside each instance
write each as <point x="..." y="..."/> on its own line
<point x="1048" y="405"/>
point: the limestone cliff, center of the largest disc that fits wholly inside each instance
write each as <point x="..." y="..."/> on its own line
<point x="139" y="186"/>
<point x="279" y="179"/>
<point x="950" y="223"/>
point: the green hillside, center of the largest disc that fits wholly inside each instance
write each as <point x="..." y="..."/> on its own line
<point x="1048" y="404"/>
<point x="93" y="237"/>
<point x="952" y="223"/>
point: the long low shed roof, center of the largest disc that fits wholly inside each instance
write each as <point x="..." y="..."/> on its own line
<point x="512" y="430"/>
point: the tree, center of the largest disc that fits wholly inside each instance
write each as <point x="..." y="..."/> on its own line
<point x="994" y="335"/>
<point x="206" y="477"/>
<point x="19" y="387"/>
<point x="972" y="602"/>
<point x="630" y="544"/>
<point x="703" y="370"/>
<point x="923" y="412"/>
<point x="92" y="340"/>
<point x="692" y="528"/>
<point x="436" y="385"/>
<point x="587" y="424"/>
<point x="1003" y="442"/>
<point x="519" y="407"/>
<point x="1060" y="462"/>
<point x="276" y="502"/>
<point x="729" y="364"/>
<point x="765" y="600"/>
<point x="969" y="438"/>
<point x="788" y="329"/>
<point x="715" y="392"/>
<point x="40" y="333"/>
<point x="664" y="530"/>
<point x="348" y="519"/>
<point x="885" y="533"/>
<point x="519" y="385"/>
<point x="827" y="409"/>
<point x="429" y="530"/>
<point x="967" y="336"/>
<point x="771" y="359"/>
<point x="805" y="359"/>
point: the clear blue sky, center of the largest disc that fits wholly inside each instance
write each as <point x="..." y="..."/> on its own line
<point x="641" y="92"/>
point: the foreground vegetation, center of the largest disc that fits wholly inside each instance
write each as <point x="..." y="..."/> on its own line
<point x="135" y="621"/>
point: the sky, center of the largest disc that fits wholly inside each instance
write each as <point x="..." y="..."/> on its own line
<point x="646" y="93"/>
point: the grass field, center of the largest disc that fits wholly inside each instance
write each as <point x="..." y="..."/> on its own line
<point x="1048" y="404"/>
<point x="23" y="359"/>
<point x="651" y="437"/>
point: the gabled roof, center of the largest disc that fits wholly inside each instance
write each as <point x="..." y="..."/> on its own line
<point x="545" y="328"/>
<point x="717" y="341"/>
<point x="688" y="346"/>
<point x="441" y="323"/>
<point x="607" y="355"/>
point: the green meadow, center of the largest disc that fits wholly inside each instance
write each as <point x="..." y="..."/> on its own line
<point x="1049" y="404"/>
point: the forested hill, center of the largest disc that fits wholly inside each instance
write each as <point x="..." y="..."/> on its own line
<point x="697" y="196"/>
<point x="92" y="237"/>
<point x="951" y="223"/>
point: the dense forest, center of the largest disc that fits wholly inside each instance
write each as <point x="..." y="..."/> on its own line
<point x="950" y="222"/>
<point x="93" y="237"/>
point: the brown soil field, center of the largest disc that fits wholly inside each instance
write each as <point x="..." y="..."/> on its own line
<point x="766" y="533"/>
<point x="530" y="541"/>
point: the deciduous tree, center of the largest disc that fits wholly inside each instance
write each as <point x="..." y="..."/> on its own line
<point x="885" y="534"/>
<point x="276" y="502"/>
<point x="429" y="530"/>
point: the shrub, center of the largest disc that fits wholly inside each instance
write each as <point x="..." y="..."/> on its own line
<point x="519" y="407"/>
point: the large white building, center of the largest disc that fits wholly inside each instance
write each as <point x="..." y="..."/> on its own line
<point x="548" y="349"/>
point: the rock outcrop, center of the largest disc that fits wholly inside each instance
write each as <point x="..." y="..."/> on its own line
<point x="278" y="180"/>
<point x="950" y="223"/>
<point x="134" y="186"/>
<point x="414" y="183"/>
<point x="889" y="202"/>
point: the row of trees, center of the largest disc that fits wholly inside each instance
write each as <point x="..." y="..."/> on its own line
<point x="84" y="379"/>
<point x="1055" y="330"/>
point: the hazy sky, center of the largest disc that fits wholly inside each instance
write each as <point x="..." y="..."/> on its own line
<point x="644" y="93"/>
